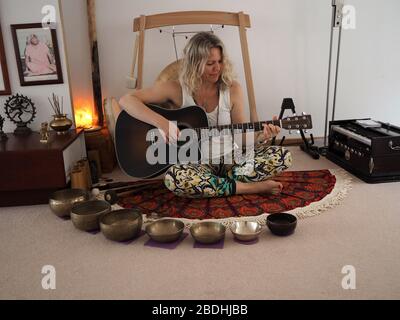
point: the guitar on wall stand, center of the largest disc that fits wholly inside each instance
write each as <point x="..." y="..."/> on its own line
<point x="307" y="146"/>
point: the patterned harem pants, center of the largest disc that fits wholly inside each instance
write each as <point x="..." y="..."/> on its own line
<point x="206" y="181"/>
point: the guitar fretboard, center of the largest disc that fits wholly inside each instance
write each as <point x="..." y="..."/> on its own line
<point x="236" y="128"/>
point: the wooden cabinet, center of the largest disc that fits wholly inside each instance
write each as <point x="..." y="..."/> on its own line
<point x="30" y="171"/>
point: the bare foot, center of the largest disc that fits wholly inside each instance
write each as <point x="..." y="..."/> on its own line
<point x="268" y="186"/>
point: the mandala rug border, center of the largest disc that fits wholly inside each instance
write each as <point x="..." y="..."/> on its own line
<point x="342" y="187"/>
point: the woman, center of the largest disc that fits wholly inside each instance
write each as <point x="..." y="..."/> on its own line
<point x="38" y="58"/>
<point x="207" y="80"/>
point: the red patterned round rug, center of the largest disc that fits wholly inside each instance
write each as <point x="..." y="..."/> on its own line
<point x="302" y="193"/>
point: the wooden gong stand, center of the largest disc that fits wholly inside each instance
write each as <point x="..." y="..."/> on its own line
<point x="240" y="20"/>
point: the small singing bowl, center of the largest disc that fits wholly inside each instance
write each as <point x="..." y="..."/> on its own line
<point x="165" y="230"/>
<point x="208" y="232"/>
<point x="121" y="225"/>
<point x="282" y="224"/>
<point x="61" y="202"/>
<point x="246" y="231"/>
<point x="86" y="215"/>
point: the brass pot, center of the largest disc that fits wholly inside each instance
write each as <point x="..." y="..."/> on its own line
<point x="61" y="123"/>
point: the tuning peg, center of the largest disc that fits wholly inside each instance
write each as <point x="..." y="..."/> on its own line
<point x="298" y="131"/>
<point x="295" y="114"/>
<point x="305" y="131"/>
<point x="303" y="113"/>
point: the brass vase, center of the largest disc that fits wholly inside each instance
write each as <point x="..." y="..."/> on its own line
<point x="61" y="124"/>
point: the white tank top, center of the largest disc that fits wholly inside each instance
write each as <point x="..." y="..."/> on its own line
<point x="222" y="114"/>
<point x="224" y="109"/>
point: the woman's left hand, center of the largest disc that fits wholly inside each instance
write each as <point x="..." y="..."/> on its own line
<point x="271" y="131"/>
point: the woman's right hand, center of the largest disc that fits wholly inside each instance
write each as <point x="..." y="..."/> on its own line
<point x="169" y="131"/>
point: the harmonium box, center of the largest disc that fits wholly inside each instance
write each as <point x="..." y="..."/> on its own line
<point x="367" y="148"/>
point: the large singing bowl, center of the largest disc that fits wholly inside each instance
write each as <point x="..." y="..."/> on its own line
<point x="86" y="215"/>
<point x="121" y="225"/>
<point x="61" y="202"/>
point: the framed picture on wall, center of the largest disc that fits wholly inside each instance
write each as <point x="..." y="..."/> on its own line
<point x="4" y="80"/>
<point x="36" y="51"/>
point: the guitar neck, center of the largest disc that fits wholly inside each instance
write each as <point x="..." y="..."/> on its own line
<point x="239" y="127"/>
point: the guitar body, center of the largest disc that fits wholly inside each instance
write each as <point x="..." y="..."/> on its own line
<point x="131" y="137"/>
<point x="142" y="152"/>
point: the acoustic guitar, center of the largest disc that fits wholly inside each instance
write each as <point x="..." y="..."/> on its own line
<point x="135" y="140"/>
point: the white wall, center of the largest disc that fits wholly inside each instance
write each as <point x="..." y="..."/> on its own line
<point x="289" y="48"/>
<point x="23" y="11"/>
<point x="288" y="53"/>
<point x="288" y="42"/>
<point x="369" y="77"/>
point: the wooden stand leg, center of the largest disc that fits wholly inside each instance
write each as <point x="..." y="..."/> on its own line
<point x="141" y="52"/>
<point x="247" y="68"/>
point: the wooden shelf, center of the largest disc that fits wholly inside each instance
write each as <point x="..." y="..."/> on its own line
<point x="32" y="142"/>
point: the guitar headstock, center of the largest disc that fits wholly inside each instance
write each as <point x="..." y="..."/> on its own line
<point x="302" y="122"/>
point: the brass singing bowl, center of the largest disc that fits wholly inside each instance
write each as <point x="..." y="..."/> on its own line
<point x="246" y="230"/>
<point x="61" y="202"/>
<point x="86" y="215"/>
<point x="165" y="230"/>
<point x="208" y="232"/>
<point x="121" y="225"/>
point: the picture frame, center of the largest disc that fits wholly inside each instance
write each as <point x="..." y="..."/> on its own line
<point x="37" y="54"/>
<point x="5" y="88"/>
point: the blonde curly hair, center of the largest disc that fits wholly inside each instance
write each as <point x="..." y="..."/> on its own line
<point x="196" y="54"/>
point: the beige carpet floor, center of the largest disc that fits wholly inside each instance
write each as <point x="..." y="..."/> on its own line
<point x="362" y="231"/>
